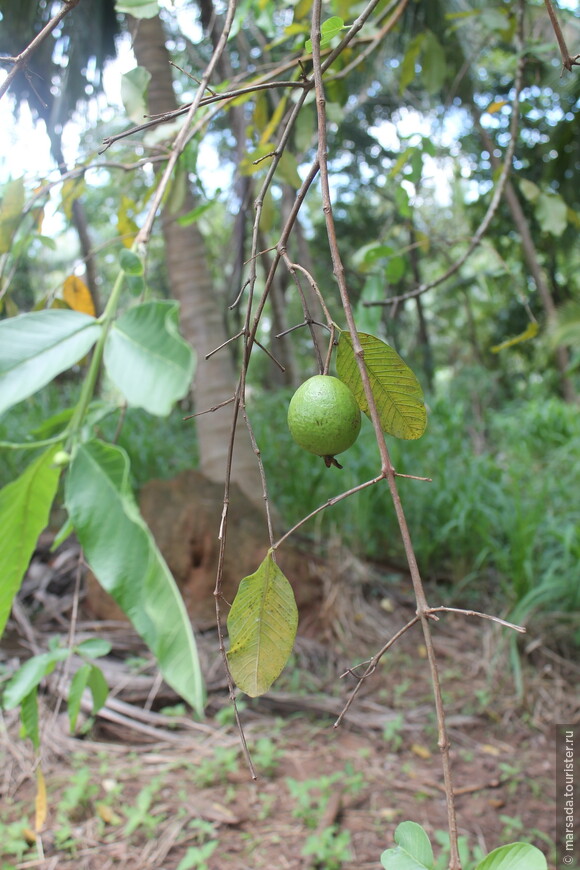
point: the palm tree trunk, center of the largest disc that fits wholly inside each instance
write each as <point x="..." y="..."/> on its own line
<point x="202" y="321"/>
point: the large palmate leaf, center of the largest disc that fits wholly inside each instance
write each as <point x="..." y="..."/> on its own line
<point x="396" y="390"/>
<point x="24" y="511"/>
<point x="262" y="627"/>
<point x="36" y="347"/>
<point x="147" y="359"/>
<point x="121" y="551"/>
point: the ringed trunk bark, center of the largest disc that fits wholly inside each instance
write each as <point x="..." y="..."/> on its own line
<point x="202" y="320"/>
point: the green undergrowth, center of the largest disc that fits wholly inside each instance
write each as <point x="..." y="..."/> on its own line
<point x="500" y="519"/>
<point x="159" y="447"/>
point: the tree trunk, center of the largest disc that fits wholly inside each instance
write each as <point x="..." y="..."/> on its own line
<point x="202" y="320"/>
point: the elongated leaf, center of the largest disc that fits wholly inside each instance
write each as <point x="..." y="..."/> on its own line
<point x="147" y="359"/>
<point x="24" y="512"/>
<point x="94" y="647"/>
<point x="11" y="210"/>
<point x="27" y="678"/>
<point x="40" y="801"/>
<point x="29" y="717"/>
<point x="514" y="856"/>
<point x="36" y="347"/>
<point x="413" y="850"/>
<point x="98" y="686"/>
<point x="396" y="390"/>
<point x="78" y="685"/>
<point x="262" y="627"/>
<point x="134" y="84"/>
<point x="530" y="331"/>
<point x="124" y="557"/>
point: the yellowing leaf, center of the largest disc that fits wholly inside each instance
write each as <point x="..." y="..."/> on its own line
<point x="489" y="749"/>
<point x="274" y="122"/>
<point x="71" y="190"/>
<point x="11" y="209"/>
<point x="496" y="106"/>
<point x="420" y="750"/>
<point x="262" y="627"/>
<point x="530" y="332"/>
<point x="78" y="296"/>
<point x="40" y="801"/>
<point x="396" y="390"/>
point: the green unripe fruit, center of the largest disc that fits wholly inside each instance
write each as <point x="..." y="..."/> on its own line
<point x="61" y="458"/>
<point x="324" y="416"/>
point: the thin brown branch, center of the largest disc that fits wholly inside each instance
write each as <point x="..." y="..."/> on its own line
<point x="21" y="60"/>
<point x="331" y="501"/>
<point x="497" y="619"/>
<point x="568" y="61"/>
<point x="372" y="666"/>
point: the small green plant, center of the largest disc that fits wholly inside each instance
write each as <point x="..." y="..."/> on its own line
<point x="140" y="815"/>
<point x="312" y="795"/>
<point x="415" y="852"/>
<point x="215" y="770"/>
<point x="14" y="840"/>
<point x="393" y="732"/>
<point x="227" y="715"/>
<point x="21" y="689"/>
<point x="329" y="848"/>
<point x="266" y="755"/>
<point x="196" y="856"/>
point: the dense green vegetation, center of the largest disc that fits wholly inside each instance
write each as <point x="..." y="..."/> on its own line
<point x="499" y="522"/>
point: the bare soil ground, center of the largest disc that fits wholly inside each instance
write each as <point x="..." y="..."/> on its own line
<point x="145" y="788"/>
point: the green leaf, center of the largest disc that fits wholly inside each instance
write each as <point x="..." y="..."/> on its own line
<point x="410" y="61"/>
<point x="288" y="170"/>
<point x="413" y="850"/>
<point x="94" y="647"/>
<point x="147" y="359"/>
<point x="395" y="269"/>
<point x="138" y="8"/>
<point x="328" y="30"/>
<point x="433" y="64"/>
<point x="552" y="213"/>
<point x="78" y="685"/>
<point x="515" y="856"/>
<point x="396" y="390"/>
<point x="11" y="210"/>
<point x="530" y="190"/>
<point x="121" y="552"/>
<point x="36" y="347"/>
<point x="134" y="85"/>
<point x="29" y="718"/>
<point x="192" y="216"/>
<point x="99" y="688"/>
<point x="262" y="627"/>
<point x="131" y="263"/>
<point x="24" y="512"/>
<point x="27" y="677"/>
<point x="91" y="677"/>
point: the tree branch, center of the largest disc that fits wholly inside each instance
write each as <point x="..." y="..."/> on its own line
<point x="21" y="59"/>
